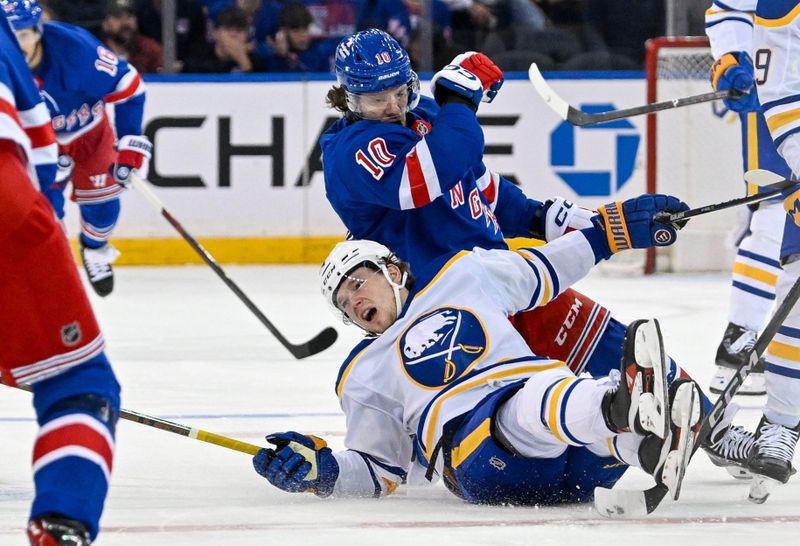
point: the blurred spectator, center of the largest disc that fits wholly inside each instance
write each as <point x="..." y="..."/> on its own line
<point x="88" y="14"/>
<point x="190" y="27"/>
<point x="621" y="27"/>
<point x="121" y="35"/>
<point x="293" y="49"/>
<point x="391" y="16"/>
<point x="233" y="50"/>
<point x="332" y="18"/>
<point x="443" y="47"/>
<point x="473" y="20"/>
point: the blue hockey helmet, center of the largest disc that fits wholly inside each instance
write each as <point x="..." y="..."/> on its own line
<point x="371" y="61"/>
<point x="23" y="13"/>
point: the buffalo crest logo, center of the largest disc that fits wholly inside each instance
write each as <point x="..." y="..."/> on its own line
<point x="441" y="346"/>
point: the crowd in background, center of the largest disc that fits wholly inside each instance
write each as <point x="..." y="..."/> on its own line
<point x="241" y="36"/>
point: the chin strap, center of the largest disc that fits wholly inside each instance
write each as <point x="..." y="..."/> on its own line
<point x="395" y="286"/>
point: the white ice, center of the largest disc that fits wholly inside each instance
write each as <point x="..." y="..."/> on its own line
<point x="186" y="349"/>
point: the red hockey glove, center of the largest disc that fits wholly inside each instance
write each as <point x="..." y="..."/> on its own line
<point x="134" y="152"/>
<point x="482" y="66"/>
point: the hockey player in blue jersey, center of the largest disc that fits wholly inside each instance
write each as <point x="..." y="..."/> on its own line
<point x="52" y="342"/>
<point x="407" y="171"/>
<point x="445" y="376"/>
<point x="78" y="77"/>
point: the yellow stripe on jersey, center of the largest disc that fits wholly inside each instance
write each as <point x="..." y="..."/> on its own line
<point x="784" y="351"/>
<point x="547" y="286"/>
<point x="784" y="118"/>
<point x="437" y="404"/>
<point x="752" y="146"/>
<point x="470" y="443"/>
<point x="755" y="273"/>
<point x="340" y="386"/>
<point x="446" y="266"/>
<point x="554" y="404"/>
<point x="779" y="22"/>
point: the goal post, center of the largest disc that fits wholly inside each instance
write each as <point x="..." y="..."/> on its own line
<point x="693" y="153"/>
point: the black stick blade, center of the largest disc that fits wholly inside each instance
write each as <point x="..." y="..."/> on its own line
<point x="319" y="343"/>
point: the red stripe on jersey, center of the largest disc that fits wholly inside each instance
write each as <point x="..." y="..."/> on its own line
<point x="75" y="434"/>
<point x="41" y="136"/>
<point x="416" y="180"/>
<point x="9" y="109"/>
<point x="490" y="191"/>
<point x="125" y="93"/>
<point x="589" y="334"/>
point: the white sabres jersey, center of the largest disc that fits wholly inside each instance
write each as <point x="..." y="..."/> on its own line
<point x="770" y="31"/>
<point x="452" y="346"/>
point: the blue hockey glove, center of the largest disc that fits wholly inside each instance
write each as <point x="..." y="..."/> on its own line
<point x="298" y="463"/>
<point x="631" y="224"/>
<point x="735" y="71"/>
<point x="482" y="66"/>
<point x="455" y="80"/>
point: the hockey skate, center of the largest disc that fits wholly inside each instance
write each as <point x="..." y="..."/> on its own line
<point x="736" y="343"/>
<point x="771" y="458"/>
<point x="53" y="530"/>
<point x="666" y="459"/>
<point x="728" y="446"/>
<point x="639" y="403"/>
<point x="97" y="263"/>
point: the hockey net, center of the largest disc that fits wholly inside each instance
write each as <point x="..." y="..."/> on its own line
<point x="694" y="153"/>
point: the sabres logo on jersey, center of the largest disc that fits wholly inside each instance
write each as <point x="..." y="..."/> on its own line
<point x="792" y="207"/>
<point x="441" y="346"/>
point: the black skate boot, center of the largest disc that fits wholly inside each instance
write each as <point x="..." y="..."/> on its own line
<point x="736" y="343"/>
<point x="97" y="263"/>
<point x="55" y="530"/>
<point x="771" y="458"/>
<point x="666" y="459"/>
<point x="728" y="446"/>
<point x="639" y="403"/>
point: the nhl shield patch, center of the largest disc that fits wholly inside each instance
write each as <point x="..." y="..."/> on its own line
<point x="71" y="334"/>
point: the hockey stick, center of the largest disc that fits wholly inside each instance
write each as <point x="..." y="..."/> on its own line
<point x="319" y="343"/>
<point x="615" y="503"/>
<point x="772" y="188"/>
<point x="183" y="430"/>
<point x="582" y="119"/>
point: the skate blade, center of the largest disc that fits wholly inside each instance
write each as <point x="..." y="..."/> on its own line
<point x="760" y="488"/>
<point x="754" y="385"/>
<point x="649" y="353"/>
<point x="685" y="414"/>
<point x="619" y="503"/>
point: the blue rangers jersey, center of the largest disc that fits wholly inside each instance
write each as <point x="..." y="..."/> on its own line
<point x="451" y="346"/>
<point x="24" y="119"/>
<point x="398" y="185"/>
<point x="78" y="76"/>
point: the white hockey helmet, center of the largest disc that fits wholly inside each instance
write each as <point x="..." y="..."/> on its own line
<point x="350" y="255"/>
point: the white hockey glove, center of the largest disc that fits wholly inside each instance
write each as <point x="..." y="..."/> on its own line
<point x="454" y="80"/>
<point x="559" y="216"/>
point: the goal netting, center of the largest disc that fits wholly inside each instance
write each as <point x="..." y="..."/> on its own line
<point x="694" y="153"/>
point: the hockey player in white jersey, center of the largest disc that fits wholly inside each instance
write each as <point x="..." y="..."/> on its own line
<point x="756" y="267"/>
<point x="444" y="377"/>
<point x="769" y="31"/>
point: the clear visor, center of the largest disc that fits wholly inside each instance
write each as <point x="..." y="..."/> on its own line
<point x="389" y="105"/>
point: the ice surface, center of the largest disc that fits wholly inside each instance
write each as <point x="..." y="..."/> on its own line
<point x="186" y="349"/>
